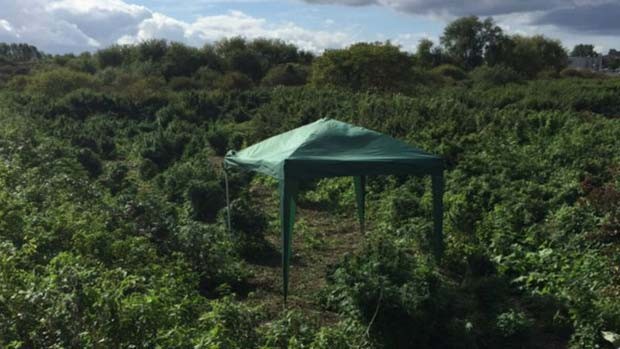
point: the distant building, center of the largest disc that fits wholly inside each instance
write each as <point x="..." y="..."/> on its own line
<point x="592" y="63"/>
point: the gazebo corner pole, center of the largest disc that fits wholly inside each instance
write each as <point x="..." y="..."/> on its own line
<point x="287" y="188"/>
<point x="229" y="226"/>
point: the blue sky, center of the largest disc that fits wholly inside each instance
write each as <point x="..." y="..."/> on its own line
<point x="59" y="26"/>
<point x="362" y="22"/>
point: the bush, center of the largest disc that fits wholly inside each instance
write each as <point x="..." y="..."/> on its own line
<point x="90" y="161"/>
<point x="163" y="147"/>
<point x="289" y="74"/>
<point x="207" y="77"/>
<point x="116" y="178"/>
<point x="84" y="102"/>
<point x="513" y="324"/>
<point x="181" y="83"/>
<point x="206" y="199"/>
<point x="112" y="56"/>
<point x="58" y="82"/>
<point x="450" y="71"/>
<point x="218" y="139"/>
<point x="212" y="255"/>
<point x="291" y="330"/>
<point x="579" y="73"/>
<point x="234" y="81"/>
<point x="495" y="75"/>
<point x="364" y="66"/>
<point x="249" y="224"/>
<point x="229" y="324"/>
<point x="385" y="272"/>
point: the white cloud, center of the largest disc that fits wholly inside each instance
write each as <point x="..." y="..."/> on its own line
<point x="157" y="26"/>
<point x="593" y="20"/>
<point x="234" y="23"/>
<point x="410" y="41"/>
<point x="76" y="25"/>
<point x="6" y="26"/>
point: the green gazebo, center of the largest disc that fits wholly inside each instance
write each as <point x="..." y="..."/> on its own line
<point x="331" y="148"/>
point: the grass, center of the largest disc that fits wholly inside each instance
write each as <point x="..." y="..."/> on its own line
<point x="320" y="239"/>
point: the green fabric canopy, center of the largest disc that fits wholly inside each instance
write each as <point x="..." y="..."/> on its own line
<point x="331" y="148"/>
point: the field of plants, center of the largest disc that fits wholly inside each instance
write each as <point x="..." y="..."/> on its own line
<point x="112" y="203"/>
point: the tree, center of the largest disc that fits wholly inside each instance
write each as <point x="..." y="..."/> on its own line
<point x="583" y="50"/>
<point x="272" y="53"/>
<point x="364" y="66"/>
<point x="181" y="60"/>
<point x="112" y="56"/>
<point x="152" y="50"/>
<point x="532" y="55"/>
<point x="289" y="74"/>
<point x="19" y="52"/>
<point x="467" y="40"/>
<point x="424" y="53"/>
<point x="234" y="81"/>
<point x="238" y="56"/>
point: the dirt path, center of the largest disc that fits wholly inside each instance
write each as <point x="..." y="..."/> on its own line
<point x="320" y="239"/>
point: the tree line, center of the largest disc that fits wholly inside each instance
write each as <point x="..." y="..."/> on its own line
<point x="469" y="47"/>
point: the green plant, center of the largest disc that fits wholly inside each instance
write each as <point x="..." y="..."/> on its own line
<point x="513" y="324"/>
<point x="495" y="75"/>
<point x="206" y="199"/>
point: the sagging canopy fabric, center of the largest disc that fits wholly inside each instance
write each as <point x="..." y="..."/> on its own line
<point x="331" y="148"/>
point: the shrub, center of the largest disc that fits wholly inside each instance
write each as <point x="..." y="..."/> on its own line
<point x="207" y="77"/>
<point x="579" y="73"/>
<point x="181" y="83"/>
<point x="116" y="177"/>
<point x="495" y="75"/>
<point x="234" y="81"/>
<point x="112" y="56"/>
<point x="450" y="71"/>
<point x="548" y="74"/>
<point x="201" y="105"/>
<point x="206" y="199"/>
<point x="83" y="64"/>
<point x="249" y="224"/>
<point x="58" y="82"/>
<point x="148" y="169"/>
<point x="90" y="161"/>
<point x="291" y="330"/>
<point x="211" y="253"/>
<point x="84" y="102"/>
<point x="218" y="139"/>
<point x="406" y="288"/>
<point x="176" y="179"/>
<point x="289" y="74"/>
<point x="163" y="148"/>
<point x="513" y="324"/>
<point x="364" y="66"/>
<point x="229" y="324"/>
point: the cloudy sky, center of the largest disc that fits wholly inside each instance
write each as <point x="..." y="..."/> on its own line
<point x="59" y="26"/>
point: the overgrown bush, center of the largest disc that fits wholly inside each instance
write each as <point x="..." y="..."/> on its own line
<point x="206" y="199"/>
<point x="495" y="75"/>
<point x="579" y="73"/>
<point x="393" y="288"/>
<point x="450" y="71"/>
<point x="58" y="82"/>
<point x="289" y="74"/>
<point x="90" y="161"/>
<point x="234" y="81"/>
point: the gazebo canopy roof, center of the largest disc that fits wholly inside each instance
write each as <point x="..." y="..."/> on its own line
<point x="329" y="148"/>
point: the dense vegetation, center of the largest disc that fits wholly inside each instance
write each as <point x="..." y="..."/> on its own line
<point x="112" y="199"/>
